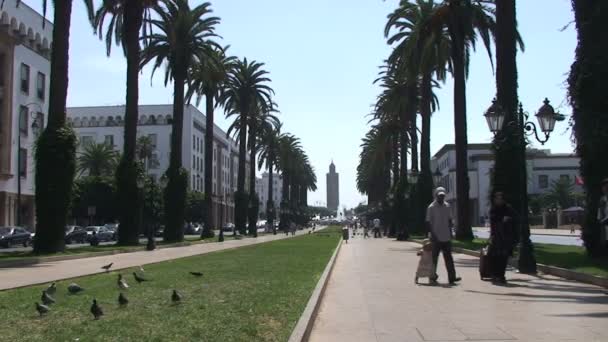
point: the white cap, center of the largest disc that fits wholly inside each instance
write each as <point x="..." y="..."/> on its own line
<point x="440" y="191"/>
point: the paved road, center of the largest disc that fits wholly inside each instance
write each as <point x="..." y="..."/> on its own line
<point x="371" y="296"/>
<point x="46" y="272"/>
<point x="552" y="239"/>
<point x="76" y="245"/>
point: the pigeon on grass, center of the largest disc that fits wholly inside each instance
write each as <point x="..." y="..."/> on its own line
<point x="122" y="300"/>
<point x="42" y="309"/>
<point x="46" y="299"/>
<point x="176" y="298"/>
<point x="122" y="284"/>
<point x="74" y="288"/>
<point x="96" y="310"/>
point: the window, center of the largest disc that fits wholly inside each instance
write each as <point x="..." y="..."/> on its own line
<point x="194" y="142"/>
<point x="153" y="140"/>
<point x="85" y="140"/>
<point x="23" y="120"/>
<point x="22" y="162"/>
<point x="25" y="78"/>
<point x="543" y="181"/>
<point x="194" y="162"/>
<point x="41" y="85"/>
<point x="109" y="140"/>
<point x="564" y="178"/>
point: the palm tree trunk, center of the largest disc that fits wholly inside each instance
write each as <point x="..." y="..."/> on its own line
<point x="209" y="123"/>
<point x="425" y="181"/>
<point x="177" y="187"/>
<point x="253" y="200"/>
<point x="126" y="174"/>
<point x="506" y="151"/>
<point x="414" y="144"/>
<point x="463" y="229"/>
<point x="270" y="201"/>
<point x="240" y="207"/>
<point x="56" y="147"/>
<point x="395" y="157"/>
<point x="404" y="141"/>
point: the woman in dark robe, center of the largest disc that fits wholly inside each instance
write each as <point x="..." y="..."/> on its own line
<point x="502" y="236"/>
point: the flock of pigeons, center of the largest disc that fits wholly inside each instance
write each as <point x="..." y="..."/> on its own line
<point x="96" y="310"/>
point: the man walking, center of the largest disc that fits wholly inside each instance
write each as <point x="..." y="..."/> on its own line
<point x="377" y="228"/>
<point x="439" y="224"/>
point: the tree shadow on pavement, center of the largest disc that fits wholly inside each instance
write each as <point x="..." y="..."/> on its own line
<point x="599" y="299"/>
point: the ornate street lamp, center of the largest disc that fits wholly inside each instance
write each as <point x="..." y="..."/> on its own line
<point x="413" y="176"/>
<point x="495" y="117"/>
<point x="437" y="177"/>
<point x="522" y="126"/>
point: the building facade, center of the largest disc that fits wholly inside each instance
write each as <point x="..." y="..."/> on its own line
<point x="24" y="87"/>
<point x="543" y="168"/>
<point x="106" y="125"/>
<point x="261" y="188"/>
<point x="333" y="188"/>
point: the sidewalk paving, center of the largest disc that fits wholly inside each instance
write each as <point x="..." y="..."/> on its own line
<point x="371" y="296"/>
<point x="46" y="272"/>
<point x="538" y="231"/>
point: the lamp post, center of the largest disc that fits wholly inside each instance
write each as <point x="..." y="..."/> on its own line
<point x="521" y="127"/>
<point x="437" y="177"/>
<point x="35" y="129"/>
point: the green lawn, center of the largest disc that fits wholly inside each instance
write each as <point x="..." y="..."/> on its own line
<point x="569" y="257"/>
<point x="253" y="293"/>
<point x="4" y="256"/>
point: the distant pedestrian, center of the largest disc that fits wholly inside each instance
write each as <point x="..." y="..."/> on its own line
<point x="502" y="236"/>
<point x="439" y="224"/>
<point x="292" y="228"/>
<point x="345" y="233"/>
<point x="377" y="228"/>
<point x="365" y="231"/>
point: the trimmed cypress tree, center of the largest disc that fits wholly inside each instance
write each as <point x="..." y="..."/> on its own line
<point x="588" y="75"/>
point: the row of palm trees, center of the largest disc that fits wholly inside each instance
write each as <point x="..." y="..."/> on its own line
<point x="431" y="41"/>
<point x="183" y="40"/>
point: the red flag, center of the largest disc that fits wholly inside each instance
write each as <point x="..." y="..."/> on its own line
<point x="578" y="180"/>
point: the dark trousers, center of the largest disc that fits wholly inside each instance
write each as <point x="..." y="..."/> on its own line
<point x="377" y="233"/>
<point x="499" y="265"/>
<point x="446" y="249"/>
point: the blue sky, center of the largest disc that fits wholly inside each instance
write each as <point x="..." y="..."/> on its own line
<point x="322" y="56"/>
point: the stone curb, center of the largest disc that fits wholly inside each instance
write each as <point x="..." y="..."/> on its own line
<point x="551" y="270"/>
<point x="303" y="328"/>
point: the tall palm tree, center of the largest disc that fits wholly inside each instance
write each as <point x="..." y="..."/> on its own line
<point x="269" y="149"/>
<point x="185" y="37"/>
<point x="464" y="20"/>
<point x="56" y="146"/>
<point x="207" y="79"/>
<point x="245" y="90"/>
<point x="426" y="53"/>
<point x="124" y="28"/>
<point x="97" y="160"/>
<point x="257" y="120"/>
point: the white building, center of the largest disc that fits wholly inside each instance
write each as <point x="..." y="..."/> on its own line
<point x="24" y="87"/>
<point x="105" y="124"/>
<point x="543" y="168"/>
<point x="261" y="188"/>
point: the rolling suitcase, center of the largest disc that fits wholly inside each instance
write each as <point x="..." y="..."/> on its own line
<point x="485" y="270"/>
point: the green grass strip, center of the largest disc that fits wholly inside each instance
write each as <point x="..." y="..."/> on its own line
<point x="252" y="293"/>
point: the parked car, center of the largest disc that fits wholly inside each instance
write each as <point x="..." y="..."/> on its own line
<point x="14" y="236"/>
<point x="102" y="233"/>
<point x="160" y="231"/>
<point x="193" y="229"/>
<point x="75" y="234"/>
<point x="113" y="227"/>
<point x="228" y="228"/>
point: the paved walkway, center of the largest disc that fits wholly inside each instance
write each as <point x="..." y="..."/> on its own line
<point x="46" y="272"/>
<point x="538" y="231"/>
<point x="371" y="296"/>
